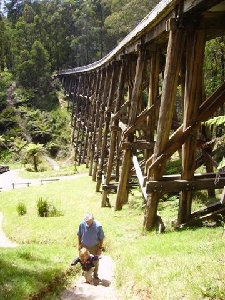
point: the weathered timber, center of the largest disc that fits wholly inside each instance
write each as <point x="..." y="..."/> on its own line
<point x="114" y="133"/>
<point x="172" y="37"/>
<point x="183" y="185"/>
<point x="176" y="140"/>
<point x="140" y="177"/>
<point x="173" y="62"/>
<point x="101" y="142"/>
<point x="138" y="145"/>
<point x="121" y="110"/>
<point x="195" y="177"/>
<point x="222" y="199"/>
<point x="107" y="117"/>
<point x="193" y="98"/>
<point x="114" y="186"/>
<point x="93" y="125"/>
<point x="148" y="112"/>
<point x="122" y="193"/>
<point x="153" y="99"/>
<point x="213" y="214"/>
<point x="98" y="125"/>
<point x="86" y="122"/>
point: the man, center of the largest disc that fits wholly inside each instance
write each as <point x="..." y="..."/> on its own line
<point x="90" y="236"/>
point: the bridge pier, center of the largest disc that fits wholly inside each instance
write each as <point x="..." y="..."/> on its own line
<point x="146" y="98"/>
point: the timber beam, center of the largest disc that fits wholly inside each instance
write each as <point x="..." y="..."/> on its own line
<point x="212" y="213"/>
<point x="176" y="186"/>
<point x="114" y="186"/>
<point x="138" y="145"/>
<point x="175" y="142"/>
<point x="148" y="112"/>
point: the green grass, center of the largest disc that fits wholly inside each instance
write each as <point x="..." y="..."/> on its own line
<point x="186" y="264"/>
<point x="63" y="171"/>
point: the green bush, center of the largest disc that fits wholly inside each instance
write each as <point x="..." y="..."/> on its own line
<point x="46" y="209"/>
<point x="43" y="207"/>
<point x="21" y="209"/>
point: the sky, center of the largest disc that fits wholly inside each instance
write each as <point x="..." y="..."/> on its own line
<point x="1" y="4"/>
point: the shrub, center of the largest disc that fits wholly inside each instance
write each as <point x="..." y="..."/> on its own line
<point x="43" y="207"/>
<point x="46" y="209"/>
<point x="21" y="209"/>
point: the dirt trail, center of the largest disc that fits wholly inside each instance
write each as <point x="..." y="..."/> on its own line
<point x="4" y="241"/>
<point x="102" y="289"/>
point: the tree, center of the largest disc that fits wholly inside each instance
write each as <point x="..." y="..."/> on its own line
<point x="34" y="152"/>
<point x="33" y="70"/>
<point x="125" y="15"/>
<point x="42" y="69"/>
<point x="13" y="8"/>
<point x="3" y="43"/>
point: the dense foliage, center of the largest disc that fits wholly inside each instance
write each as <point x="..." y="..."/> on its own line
<point x="72" y="32"/>
<point x="40" y="37"/>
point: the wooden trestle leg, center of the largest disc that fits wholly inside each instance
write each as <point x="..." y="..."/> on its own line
<point x="193" y="96"/>
<point x="122" y="192"/>
<point x="172" y="68"/>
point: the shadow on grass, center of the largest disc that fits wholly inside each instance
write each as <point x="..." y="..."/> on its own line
<point x="26" y="279"/>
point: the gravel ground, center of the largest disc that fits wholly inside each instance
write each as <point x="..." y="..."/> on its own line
<point x="10" y="180"/>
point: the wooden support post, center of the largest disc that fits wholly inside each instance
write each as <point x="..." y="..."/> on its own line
<point x="152" y="98"/>
<point x="89" y="119"/>
<point x="86" y="122"/>
<point x="207" y="156"/>
<point x="172" y="68"/>
<point x="82" y="119"/>
<point x="100" y="140"/>
<point x="122" y="191"/>
<point x="116" y="72"/>
<point x="118" y="155"/>
<point x="193" y="96"/>
<point x="97" y="125"/>
<point x="93" y="124"/>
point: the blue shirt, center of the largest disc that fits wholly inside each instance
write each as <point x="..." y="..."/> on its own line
<point x="90" y="236"/>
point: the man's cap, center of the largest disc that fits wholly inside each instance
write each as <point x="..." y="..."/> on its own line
<point x="88" y="217"/>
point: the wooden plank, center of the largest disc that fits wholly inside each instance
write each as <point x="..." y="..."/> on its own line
<point x="114" y="186"/>
<point x="137" y="145"/>
<point x="176" y="186"/>
<point x="148" y="112"/>
<point x="139" y="176"/>
<point x="121" y="110"/>
<point x="196" y="176"/>
<point x="222" y="199"/>
<point x="210" y="208"/>
<point x="198" y="220"/>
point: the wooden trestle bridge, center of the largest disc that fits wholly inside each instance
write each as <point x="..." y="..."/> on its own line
<point x="124" y="107"/>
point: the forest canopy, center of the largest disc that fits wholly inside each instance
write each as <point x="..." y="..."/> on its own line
<point x="73" y="33"/>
